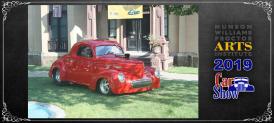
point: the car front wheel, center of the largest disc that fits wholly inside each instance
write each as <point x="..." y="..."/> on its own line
<point x="104" y="87"/>
<point x="56" y="76"/>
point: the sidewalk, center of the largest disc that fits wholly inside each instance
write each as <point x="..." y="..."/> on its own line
<point x="164" y="75"/>
<point x="176" y="76"/>
<point x="37" y="73"/>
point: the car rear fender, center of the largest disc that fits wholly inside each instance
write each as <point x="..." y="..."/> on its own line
<point x="58" y="65"/>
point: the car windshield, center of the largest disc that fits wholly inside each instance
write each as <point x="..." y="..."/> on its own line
<point x="108" y="49"/>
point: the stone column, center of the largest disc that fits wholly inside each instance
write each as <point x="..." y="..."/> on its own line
<point x="123" y="35"/>
<point x="34" y="34"/>
<point x="157" y="29"/>
<point x="91" y="22"/>
<point x="155" y="58"/>
<point x="118" y="32"/>
<point x="44" y="28"/>
<point x="102" y="22"/>
<point x="45" y="35"/>
<point x="165" y="52"/>
<point x="182" y="33"/>
<point x="182" y="56"/>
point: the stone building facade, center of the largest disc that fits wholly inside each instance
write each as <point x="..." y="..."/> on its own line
<point x="50" y="37"/>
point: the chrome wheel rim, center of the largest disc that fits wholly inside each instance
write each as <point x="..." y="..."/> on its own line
<point x="104" y="86"/>
<point x="57" y="76"/>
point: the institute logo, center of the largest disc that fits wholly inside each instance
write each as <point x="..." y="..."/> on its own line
<point x="233" y="54"/>
<point x="133" y="12"/>
<point x="230" y="88"/>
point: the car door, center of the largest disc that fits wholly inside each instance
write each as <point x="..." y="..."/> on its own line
<point x="71" y="65"/>
<point x="82" y="65"/>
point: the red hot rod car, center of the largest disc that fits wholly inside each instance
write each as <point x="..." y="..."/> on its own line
<point x="102" y="66"/>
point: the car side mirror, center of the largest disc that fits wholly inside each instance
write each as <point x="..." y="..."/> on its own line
<point x="127" y="55"/>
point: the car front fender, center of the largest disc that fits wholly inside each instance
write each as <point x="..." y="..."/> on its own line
<point x="150" y="69"/>
<point x="110" y="75"/>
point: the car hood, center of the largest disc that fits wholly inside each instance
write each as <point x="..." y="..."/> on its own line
<point x="126" y="65"/>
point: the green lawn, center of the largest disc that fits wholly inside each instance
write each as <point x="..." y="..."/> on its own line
<point x="38" y="68"/>
<point x="183" y="70"/>
<point x="175" y="99"/>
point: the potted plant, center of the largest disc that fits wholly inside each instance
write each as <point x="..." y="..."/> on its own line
<point x="155" y="43"/>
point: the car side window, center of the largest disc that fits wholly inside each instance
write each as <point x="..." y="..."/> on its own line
<point x="84" y="51"/>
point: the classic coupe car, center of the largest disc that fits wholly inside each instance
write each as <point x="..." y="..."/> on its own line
<point x="103" y="66"/>
<point x="241" y="84"/>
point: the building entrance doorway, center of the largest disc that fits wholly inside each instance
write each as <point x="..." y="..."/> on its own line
<point x="136" y="32"/>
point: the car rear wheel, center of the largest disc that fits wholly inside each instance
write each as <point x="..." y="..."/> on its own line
<point x="56" y="76"/>
<point x="104" y="87"/>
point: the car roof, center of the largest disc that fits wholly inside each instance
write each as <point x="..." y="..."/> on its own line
<point x="97" y="42"/>
<point x="92" y="43"/>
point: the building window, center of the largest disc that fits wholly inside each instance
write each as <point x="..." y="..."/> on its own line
<point x="166" y="25"/>
<point x="58" y="28"/>
<point x="146" y="9"/>
<point x="112" y="25"/>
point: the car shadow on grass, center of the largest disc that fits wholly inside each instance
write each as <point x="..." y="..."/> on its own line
<point x="172" y="92"/>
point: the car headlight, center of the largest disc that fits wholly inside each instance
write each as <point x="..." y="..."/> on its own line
<point x="246" y="85"/>
<point x="157" y="73"/>
<point x="121" y="77"/>
<point x="236" y="85"/>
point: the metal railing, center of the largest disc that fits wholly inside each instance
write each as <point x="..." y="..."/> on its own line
<point x="57" y="46"/>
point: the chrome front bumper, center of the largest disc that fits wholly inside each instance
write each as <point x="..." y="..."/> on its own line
<point x="144" y="82"/>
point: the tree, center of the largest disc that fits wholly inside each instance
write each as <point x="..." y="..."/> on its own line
<point x="181" y="10"/>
